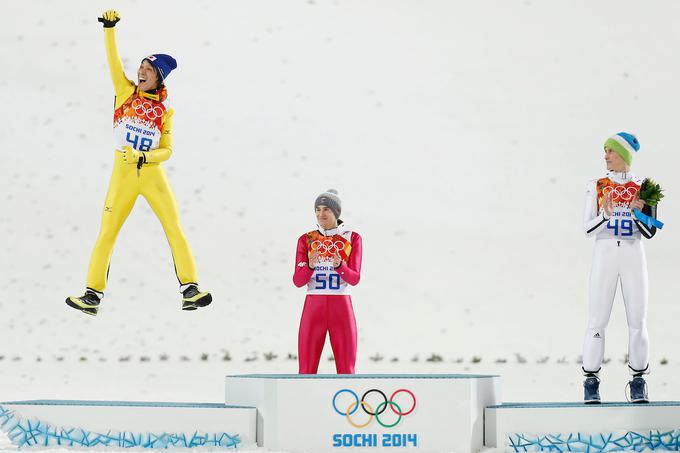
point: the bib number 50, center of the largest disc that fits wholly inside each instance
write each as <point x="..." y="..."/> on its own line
<point x="327" y="281"/>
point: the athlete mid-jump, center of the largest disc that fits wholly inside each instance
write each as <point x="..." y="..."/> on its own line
<point x="618" y="256"/>
<point x="328" y="262"/>
<point x="142" y="130"/>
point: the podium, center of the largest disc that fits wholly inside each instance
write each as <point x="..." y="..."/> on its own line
<point x="60" y="423"/>
<point x="325" y="413"/>
<point x="357" y="413"/>
<point x="583" y="427"/>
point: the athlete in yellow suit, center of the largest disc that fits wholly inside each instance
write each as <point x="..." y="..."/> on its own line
<point x="143" y="134"/>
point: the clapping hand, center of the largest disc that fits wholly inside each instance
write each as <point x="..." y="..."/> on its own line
<point x="637" y="203"/>
<point x="337" y="261"/>
<point x="608" y="204"/>
<point x="314" y="259"/>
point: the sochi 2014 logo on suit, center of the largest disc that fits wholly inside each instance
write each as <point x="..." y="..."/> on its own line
<point x="374" y="411"/>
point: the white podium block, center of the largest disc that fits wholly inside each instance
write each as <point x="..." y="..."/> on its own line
<point x="325" y="413"/>
<point x="583" y="427"/>
<point x="121" y="424"/>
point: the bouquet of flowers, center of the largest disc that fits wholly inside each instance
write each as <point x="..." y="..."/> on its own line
<point x="651" y="192"/>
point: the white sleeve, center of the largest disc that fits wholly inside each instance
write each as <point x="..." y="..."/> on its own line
<point x="593" y="220"/>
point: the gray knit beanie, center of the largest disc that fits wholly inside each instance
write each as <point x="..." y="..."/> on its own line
<point x="331" y="200"/>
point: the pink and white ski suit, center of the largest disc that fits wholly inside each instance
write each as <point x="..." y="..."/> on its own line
<point x="328" y="305"/>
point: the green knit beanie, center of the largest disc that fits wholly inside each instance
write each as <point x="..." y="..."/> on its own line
<point x="623" y="144"/>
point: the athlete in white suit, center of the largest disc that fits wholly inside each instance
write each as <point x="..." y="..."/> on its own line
<point x="618" y="256"/>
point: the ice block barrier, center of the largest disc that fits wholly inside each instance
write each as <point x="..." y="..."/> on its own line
<point x="119" y="424"/>
<point x="327" y="413"/>
<point x="580" y="427"/>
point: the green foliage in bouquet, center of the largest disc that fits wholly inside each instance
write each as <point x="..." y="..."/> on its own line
<point x="651" y="192"/>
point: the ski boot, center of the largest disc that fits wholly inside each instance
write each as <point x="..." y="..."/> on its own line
<point x="192" y="298"/>
<point x="591" y="389"/>
<point x="87" y="303"/>
<point x="638" y="390"/>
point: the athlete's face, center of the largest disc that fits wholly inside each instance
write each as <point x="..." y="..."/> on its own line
<point x="614" y="161"/>
<point x="325" y="217"/>
<point x="147" y="77"/>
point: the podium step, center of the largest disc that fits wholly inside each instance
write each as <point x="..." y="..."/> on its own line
<point x="610" y="426"/>
<point x="124" y="424"/>
<point x="323" y="413"/>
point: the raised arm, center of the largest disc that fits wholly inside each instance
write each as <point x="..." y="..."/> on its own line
<point x="122" y="86"/>
<point x="594" y="219"/>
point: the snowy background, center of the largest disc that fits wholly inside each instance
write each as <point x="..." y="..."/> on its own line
<point x="460" y="134"/>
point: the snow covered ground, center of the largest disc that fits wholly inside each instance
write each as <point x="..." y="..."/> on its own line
<point x="459" y="134"/>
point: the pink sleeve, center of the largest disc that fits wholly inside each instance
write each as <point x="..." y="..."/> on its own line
<point x="302" y="273"/>
<point x="350" y="272"/>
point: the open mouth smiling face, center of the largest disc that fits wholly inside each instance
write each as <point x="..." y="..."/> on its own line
<point x="147" y="78"/>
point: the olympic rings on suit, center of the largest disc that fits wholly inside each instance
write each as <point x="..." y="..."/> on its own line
<point x="621" y="192"/>
<point x="379" y="409"/>
<point x="147" y="109"/>
<point x="328" y="246"/>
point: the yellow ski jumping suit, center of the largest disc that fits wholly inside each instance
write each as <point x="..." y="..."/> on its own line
<point x="142" y="122"/>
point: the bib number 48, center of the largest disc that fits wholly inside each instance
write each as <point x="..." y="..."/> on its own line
<point x="621" y="227"/>
<point x="327" y="281"/>
<point x="139" y="143"/>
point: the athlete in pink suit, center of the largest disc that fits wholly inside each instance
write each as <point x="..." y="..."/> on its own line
<point x="328" y="261"/>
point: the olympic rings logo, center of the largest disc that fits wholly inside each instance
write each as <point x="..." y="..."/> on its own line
<point x="145" y="108"/>
<point x="621" y="192"/>
<point x="328" y="246"/>
<point x="378" y="411"/>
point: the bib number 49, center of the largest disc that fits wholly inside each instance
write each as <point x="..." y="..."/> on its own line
<point x="327" y="281"/>
<point x="621" y="227"/>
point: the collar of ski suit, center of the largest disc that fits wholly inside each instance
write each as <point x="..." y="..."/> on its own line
<point x="332" y="232"/>
<point x="620" y="177"/>
<point x="156" y="95"/>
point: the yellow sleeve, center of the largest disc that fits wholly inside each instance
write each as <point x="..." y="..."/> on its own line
<point x="164" y="150"/>
<point x="122" y="86"/>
